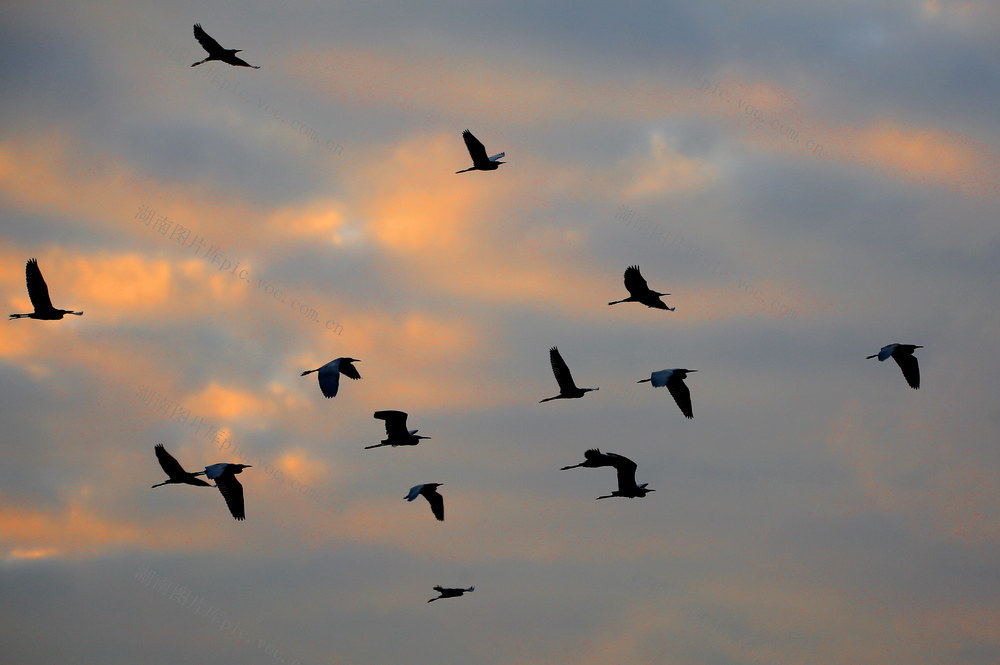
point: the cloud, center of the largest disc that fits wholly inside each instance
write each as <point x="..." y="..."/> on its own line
<point x="909" y="461"/>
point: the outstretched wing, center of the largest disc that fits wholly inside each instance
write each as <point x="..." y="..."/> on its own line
<point x="634" y="282"/>
<point x="437" y="503"/>
<point x="679" y="391"/>
<point x="213" y="47"/>
<point x="595" y="456"/>
<point x="476" y="149"/>
<point x="497" y="156"/>
<point x="170" y="466"/>
<point x="349" y="370"/>
<point x="232" y="492"/>
<point x="626" y="471"/>
<point x="395" y="422"/>
<point x="911" y="371"/>
<point x="329" y="380"/>
<point x="414" y="492"/>
<point x="559" y="368"/>
<point x="38" y="292"/>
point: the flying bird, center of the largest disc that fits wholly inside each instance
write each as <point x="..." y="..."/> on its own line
<point x="903" y="355"/>
<point x="450" y="593"/>
<point x="480" y="162"/>
<point x="175" y="472"/>
<point x="38" y="292"/>
<point x="329" y="374"/>
<point x="640" y="292"/>
<point x="625" y="468"/>
<point x="216" y="52"/>
<point x="396" y="433"/>
<point x="567" y="387"/>
<point x="224" y="475"/>
<point x="626" y="478"/>
<point x="429" y="492"/>
<point x="673" y="379"/>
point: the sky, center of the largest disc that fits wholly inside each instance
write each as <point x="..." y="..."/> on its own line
<point x="810" y="181"/>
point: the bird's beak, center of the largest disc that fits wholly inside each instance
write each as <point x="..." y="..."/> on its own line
<point x="692" y="370"/>
<point x="917" y="346"/>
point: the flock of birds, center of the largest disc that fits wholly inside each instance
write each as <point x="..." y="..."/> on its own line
<point x="224" y="473"/>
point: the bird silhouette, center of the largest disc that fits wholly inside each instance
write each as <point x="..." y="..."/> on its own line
<point x="567" y="387"/>
<point x="639" y="291"/>
<point x="224" y="475"/>
<point x="480" y="162"/>
<point x="625" y="469"/>
<point x="329" y="374"/>
<point x="216" y="52"/>
<point x="429" y="492"/>
<point x="447" y="592"/>
<point x="38" y="292"/>
<point x="673" y="379"/>
<point x="396" y="433"/>
<point x="903" y="355"/>
<point x="175" y="472"/>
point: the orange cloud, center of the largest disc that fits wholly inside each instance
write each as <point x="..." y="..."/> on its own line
<point x="767" y="114"/>
<point x="227" y="403"/>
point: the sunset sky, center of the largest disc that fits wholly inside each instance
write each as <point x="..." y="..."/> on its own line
<point x="810" y="181"/>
